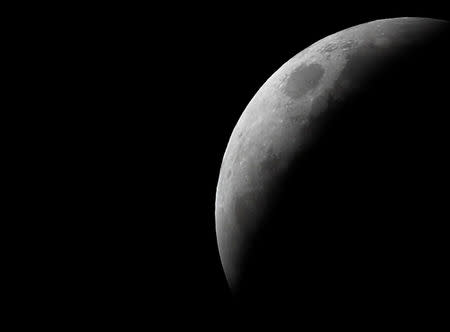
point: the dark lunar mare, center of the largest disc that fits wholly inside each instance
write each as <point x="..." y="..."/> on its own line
<point x="356" y="230"/>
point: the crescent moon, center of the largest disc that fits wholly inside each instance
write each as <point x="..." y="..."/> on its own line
<point x="282" y="120"/>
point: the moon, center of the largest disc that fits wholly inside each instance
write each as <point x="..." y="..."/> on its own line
<point x="326" y="126"/>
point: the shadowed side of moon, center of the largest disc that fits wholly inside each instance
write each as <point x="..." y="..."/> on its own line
<point x="328" y="187"/>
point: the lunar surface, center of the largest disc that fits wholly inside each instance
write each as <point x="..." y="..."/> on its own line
<point x="323" y="134"/>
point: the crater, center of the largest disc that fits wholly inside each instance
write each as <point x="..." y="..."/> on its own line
<point x="330" y="47"/>
<point x="303" y="79"/>
<point x="348" y="44"/>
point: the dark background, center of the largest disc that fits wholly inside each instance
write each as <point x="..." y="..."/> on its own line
<point x="147" y="99"/>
